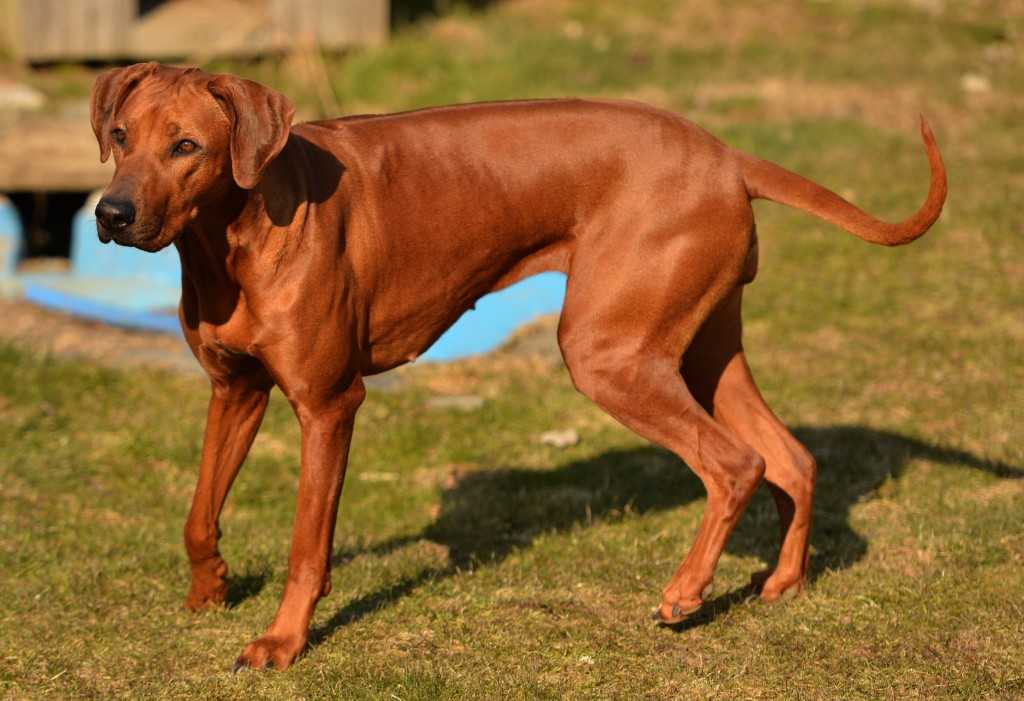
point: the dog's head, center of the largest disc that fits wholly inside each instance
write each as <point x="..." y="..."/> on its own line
<point x="183" y="142"/>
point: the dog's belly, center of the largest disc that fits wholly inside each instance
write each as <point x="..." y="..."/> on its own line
<point x="750" y="262"/>
<point x="401" y="334"/>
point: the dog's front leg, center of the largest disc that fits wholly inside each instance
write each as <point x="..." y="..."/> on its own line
<point x="326" y="435"/>
<point x="237" y="405"/>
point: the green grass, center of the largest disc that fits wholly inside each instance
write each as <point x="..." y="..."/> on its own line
<point x="473" y="562"/>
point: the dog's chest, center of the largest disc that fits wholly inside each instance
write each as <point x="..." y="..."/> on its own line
<point x="230" y="335"/>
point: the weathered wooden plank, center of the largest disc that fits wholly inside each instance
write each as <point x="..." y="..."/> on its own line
<point x="51" y="30"/>
<point x="51" y="154"/>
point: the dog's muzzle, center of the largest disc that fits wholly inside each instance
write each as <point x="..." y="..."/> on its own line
<point x="114" y="217"/>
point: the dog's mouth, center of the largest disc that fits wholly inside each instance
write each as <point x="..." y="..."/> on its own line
<point x="144" y="237"/>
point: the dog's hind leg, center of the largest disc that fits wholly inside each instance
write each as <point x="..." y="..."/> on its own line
<point x="628" y="317"/>
<point x="716" y="370"/>
<point x="236" y="410"/>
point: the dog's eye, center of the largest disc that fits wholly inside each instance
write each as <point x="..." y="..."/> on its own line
<point x="119" y="135"/>
<point x="185" y="146"/>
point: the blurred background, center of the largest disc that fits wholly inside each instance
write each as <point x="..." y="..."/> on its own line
<point x="500" y="536"/>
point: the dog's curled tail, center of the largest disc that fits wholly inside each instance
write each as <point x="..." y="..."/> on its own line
<point x="765" y="180"/>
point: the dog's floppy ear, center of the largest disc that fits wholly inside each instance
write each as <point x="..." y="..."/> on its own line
<point x="108" y="94"/>
<point x="260" y="121"/>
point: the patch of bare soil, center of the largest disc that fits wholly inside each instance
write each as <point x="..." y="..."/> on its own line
<point x="66" y="336"/>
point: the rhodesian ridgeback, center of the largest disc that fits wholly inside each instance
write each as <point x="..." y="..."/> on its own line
<point x="317" y="254"/>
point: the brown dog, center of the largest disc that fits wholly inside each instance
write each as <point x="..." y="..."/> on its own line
<point x="315" y="255"/>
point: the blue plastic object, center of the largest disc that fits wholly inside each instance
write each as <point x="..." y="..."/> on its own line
<point x="12" y="237"/>
<point x="110" y="283"/>
<point x="497" y="315"/>
<point x="145" y="281"/>
<point x="57" y="294"/>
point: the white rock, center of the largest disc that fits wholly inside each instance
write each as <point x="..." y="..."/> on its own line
<point x="975" y="84"/>
<point x="560" y="439"/>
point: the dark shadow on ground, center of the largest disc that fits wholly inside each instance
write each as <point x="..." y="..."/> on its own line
<point x="490" y="513"/>
<point x="245" y="585"/>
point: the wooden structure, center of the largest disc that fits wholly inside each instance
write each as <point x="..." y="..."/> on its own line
<point x="47" y="31"/>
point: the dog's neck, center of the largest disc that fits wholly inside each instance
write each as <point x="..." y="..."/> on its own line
<point x="206" y="248"/>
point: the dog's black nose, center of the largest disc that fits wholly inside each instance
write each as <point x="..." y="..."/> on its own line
<point x="115" y="215"/>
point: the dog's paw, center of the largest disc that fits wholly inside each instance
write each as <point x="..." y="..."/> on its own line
<point x="209" y="586"/>
<point x="206" y="596"/>
<point x="670" y="613"/>
<point x="771" y="586"/>
<point x="270" y="652"/>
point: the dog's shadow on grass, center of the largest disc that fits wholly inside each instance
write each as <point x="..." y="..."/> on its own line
<point x="246" y="585"/>
<point x="489" y="513"/>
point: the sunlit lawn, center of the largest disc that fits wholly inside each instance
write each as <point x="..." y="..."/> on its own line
<point x="474" y="562"/>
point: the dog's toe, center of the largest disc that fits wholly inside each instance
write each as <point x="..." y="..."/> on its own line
<point x="766" y="585"/>
<point x="677" y="613"/>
